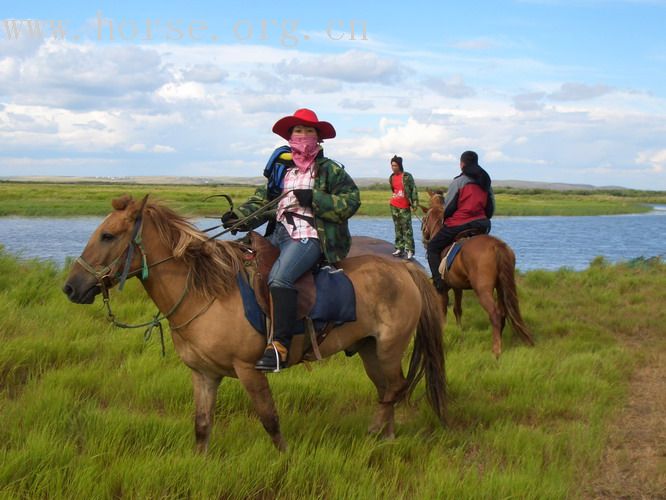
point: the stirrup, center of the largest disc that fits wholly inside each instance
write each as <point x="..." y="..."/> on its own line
<point x="270" y="361"/>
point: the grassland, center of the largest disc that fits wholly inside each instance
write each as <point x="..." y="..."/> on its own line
<point x="88" y="411"/>
<point x="61" y="200"/>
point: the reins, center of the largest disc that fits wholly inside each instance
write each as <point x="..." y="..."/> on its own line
<point x="106" y="273"/>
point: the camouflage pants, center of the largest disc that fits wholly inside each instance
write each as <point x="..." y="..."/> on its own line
<point x="404" y="235"/>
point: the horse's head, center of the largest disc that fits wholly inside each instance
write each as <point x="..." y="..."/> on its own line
<point x="105" y="256"/>
<point x="434" y="217"/>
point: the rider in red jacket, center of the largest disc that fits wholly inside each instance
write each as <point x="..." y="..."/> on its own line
<point x="469" y="204"/>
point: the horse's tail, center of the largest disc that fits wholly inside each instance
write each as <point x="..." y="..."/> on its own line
<point x="428" y="354"/>
<point x="507" y="295"/>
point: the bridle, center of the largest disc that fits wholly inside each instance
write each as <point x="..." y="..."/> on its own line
<point x="107" y="276"/>
<point x="425" y="225"/>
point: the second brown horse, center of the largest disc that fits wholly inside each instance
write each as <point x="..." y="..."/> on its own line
<point x="484" y="264"/>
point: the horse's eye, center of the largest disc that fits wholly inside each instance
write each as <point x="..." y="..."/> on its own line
<point x="108" y="237"/>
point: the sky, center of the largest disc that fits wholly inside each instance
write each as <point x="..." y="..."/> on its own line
<point x="542" y="90"/>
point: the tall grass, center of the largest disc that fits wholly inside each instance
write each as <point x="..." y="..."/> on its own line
<point x="88" y="411"/>
<point x="61" y="200"/>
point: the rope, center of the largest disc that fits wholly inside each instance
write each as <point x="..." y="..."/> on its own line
<point x="156" y="322"/>
<point x="136" y="239"/>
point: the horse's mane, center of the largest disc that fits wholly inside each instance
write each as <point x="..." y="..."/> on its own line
<point x="214" y="264"/>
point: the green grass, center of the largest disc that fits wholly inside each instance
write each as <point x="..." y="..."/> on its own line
<point x="61" y="200"/>
<point x="89" y="411"/>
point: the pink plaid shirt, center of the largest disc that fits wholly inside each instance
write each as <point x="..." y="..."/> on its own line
<point x="293" y="179"/>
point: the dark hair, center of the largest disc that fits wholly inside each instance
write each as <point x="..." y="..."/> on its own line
<point x="469" y="159"/>
<point x="472" y="169"/>
<point x="397" y="159"/>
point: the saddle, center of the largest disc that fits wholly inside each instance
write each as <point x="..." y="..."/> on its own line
<point x="463" y="235"/>
<point x="318" y="317"/>
<point x="264" y="255"/>
<point x="450" y="252"/>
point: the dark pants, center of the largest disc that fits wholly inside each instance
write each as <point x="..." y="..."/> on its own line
<point x="444" y="238"/>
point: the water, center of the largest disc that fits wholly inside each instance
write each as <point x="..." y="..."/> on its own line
<point x="539" y="242"/>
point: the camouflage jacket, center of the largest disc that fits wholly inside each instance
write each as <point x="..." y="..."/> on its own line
<point x="335" y="198"/>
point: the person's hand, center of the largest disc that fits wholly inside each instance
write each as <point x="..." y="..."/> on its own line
<point x="229" y="219"/>
<point x="304" y="197"/>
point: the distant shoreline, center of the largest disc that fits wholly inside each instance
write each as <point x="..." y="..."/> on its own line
<point x="362" y="182"/>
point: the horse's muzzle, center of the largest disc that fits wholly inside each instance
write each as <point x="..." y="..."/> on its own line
<point x="80" y="293"/>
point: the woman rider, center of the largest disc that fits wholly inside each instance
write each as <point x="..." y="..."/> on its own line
<point x="311" y="218"/>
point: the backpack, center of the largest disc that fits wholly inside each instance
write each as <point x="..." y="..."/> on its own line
<point x="275" y="170"/>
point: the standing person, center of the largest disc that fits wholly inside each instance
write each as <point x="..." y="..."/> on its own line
<point x="404" y="200"/>
<point x="310" y="223"/>
<point x="469" y="204"/>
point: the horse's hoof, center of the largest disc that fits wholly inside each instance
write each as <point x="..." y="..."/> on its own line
<point x="280" y="444"/>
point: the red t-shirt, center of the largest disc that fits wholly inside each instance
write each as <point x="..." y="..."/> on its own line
<point x="398" y="200"/>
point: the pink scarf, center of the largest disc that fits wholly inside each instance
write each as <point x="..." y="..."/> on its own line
<point x="304" y="150"/>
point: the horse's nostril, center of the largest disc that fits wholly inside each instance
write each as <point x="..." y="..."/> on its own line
<point x="68" y="289"/>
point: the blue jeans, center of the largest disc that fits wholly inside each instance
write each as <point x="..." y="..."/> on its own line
<point x="296" y="258"/>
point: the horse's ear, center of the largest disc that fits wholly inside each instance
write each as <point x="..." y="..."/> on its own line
<point x="122" y="202"/>
<point x="137" y="208"/>
<point x="429" y="191"/>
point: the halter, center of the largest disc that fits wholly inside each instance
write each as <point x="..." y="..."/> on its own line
<point x="111" y="275"/>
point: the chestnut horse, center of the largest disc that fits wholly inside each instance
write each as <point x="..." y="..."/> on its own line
<point x="484" y="264"/>
<point x="193" y="282"/>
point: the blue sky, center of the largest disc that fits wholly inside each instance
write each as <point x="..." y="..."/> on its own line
<point x="543" y="90"/>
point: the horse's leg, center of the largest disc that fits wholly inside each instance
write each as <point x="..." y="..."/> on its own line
<point x="457" y="306"/>
<point x="256" y="385"/>
<point x="444" y="297"/>
<point x="205" y="395"/>
<point x="387" y="360"/>
<point x="368" y="353"/>
<point x="487" y="301"/>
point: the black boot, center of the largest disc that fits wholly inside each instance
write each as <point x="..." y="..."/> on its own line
<point x="284" y="321"/>
<point x="434" y="261"/>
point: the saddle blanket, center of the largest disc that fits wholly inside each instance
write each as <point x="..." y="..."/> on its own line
<point x="335" y="302"/>
<point x="450" y="257"/>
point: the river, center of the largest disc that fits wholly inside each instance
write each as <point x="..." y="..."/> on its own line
<point x="539" y="242"/>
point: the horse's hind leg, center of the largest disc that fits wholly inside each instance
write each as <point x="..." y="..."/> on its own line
<point x="487" y="301"/>
<point x="205" y="395"/>
<point x="256" y="385"/>
<point x="382" y="364"/>
<point x="457" y="306"/>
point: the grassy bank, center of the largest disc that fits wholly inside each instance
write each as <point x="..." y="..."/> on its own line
<point x="88" y="411"/>
<point x="88" y="199"/>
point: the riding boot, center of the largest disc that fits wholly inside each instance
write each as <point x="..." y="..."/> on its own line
<point x="284" y="321"/>
<point x="434" y="261"/>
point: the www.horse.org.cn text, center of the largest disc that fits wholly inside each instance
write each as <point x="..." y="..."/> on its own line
<point x="285" y="32"/>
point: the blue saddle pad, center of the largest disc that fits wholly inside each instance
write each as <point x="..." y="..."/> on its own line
<point x="452" y="255"/>
<point x="335" y="302"/>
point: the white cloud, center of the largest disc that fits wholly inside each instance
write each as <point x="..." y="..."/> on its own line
<point x="360" y="104"/>
<point x="353" y="66"/>
<point x="159" y="148"/>
<point x="211" y="108"/>
<point x="186" y="91"/>
<point x="656" y="160"/>
<point x="578" y="91"/>
<point x="205" y="73"/>
<point x="475" y="44"/>
<point x="454" y="87"/>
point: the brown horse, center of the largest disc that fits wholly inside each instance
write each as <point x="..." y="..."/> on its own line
<point x="192" y="280"/>
<point x="484" y="264"/>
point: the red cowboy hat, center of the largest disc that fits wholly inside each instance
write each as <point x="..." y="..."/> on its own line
<point x="305" y="117"/>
